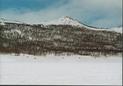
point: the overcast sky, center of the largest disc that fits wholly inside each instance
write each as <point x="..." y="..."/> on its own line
<point x="99" y="13"/>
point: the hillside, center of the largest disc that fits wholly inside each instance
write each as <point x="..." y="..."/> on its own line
<point x="38" y="39"/>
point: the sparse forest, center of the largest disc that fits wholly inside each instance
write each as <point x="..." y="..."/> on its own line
<point x="58" y="39"/>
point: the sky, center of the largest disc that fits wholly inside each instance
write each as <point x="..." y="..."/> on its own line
<point x="98" y="13"/>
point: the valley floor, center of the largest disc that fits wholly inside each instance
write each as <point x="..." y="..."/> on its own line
<point x="57" y="70"/>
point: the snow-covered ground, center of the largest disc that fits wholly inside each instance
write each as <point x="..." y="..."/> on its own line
<point x="56" y="70"/>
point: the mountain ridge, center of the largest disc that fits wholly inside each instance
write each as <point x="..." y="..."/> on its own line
<point x="66" y="20"/>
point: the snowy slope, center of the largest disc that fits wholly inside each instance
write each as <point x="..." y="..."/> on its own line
<point x="3" y="21"/>
<point x="64" y="21"/>
<point x="117" y="29"/>
<point x="70" y="21"/>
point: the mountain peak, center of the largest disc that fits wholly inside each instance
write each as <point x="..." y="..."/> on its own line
<point x="66" y="20"/>
<point x="68" y="17"/>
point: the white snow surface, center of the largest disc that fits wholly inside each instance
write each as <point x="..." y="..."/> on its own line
<point x="60" y="70"/>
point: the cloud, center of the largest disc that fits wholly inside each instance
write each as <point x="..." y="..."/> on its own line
<point x="100" y="13"/>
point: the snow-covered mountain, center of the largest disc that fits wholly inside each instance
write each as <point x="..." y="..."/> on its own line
<point x="66" y="20"/>
<point x="65" y="36"/>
